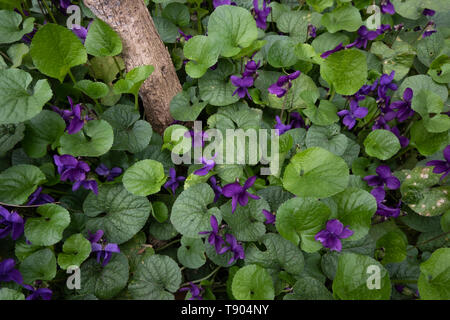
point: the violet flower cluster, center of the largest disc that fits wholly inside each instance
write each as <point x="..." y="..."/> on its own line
<point x="247" y="80"/>
<point x="296" y="122"/>
<point x="11" y="223"/>
<point x="75" y="170"/>
<point x="101" y="248"/>
<point x="219" y="244"/>
<point x="73" y="117"/>
<point x="383" y="178"/>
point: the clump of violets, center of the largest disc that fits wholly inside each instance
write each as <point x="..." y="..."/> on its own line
<point x="74" y="170"/>
<point x="39" y="198"/>
<point x="73" y="117"/>
<point x="387" y="7"/>
<point x="196" y="291"/>
<point x="173" y="182"/>
<point x="233" y="246"/>
<point x="11" y="223"/>
<point x="208" y="165"/>
<point x="214" y="238"/>
<point x="383" y="178"/>
<point x="38" y="293"/>
<point x="109" y="174"/>
<point x="442" y="166"/>
<point x="238" y="193"/>
<point x="261" y="14"/>
<point x="102" y="249"/>
<point x="9" y="273"/>
<point x="331" y="236"/>
<point x="270" y="217"/>
<point x="283" y="84"/>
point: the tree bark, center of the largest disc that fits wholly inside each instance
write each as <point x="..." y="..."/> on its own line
<point x="142" y="46"/>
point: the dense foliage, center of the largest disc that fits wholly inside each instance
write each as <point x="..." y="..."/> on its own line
<point x="361" y="191"/>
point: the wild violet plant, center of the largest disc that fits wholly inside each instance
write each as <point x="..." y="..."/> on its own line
<point x="362" y="121"/>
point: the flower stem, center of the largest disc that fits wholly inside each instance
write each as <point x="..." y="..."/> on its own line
<point x="167" y="245"/>
<point x="72" y="77"/>
<point x="205" y="278"/>
<point x="49" y="11"/>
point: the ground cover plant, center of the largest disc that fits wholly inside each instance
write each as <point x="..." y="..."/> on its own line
<point x="353" y="204"/>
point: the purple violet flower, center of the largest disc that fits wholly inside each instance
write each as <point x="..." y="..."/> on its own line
<point x="387" y="7"/>
<point x="403" y="107"/>
<point x="383" y="210"/>
<point x="331" y="236"/>
<point x="428" y="12"/>
<point x="72" y="117"/>
<point x="404" y="141"/>
<point x="28" y="37"/>
<point x="195" y="291"/>
<point x="312" y="31"/>
<point x="283" y="84"/>
<point x="217" y="188"/>
<point x="8" y="273"/>
<point x="103" y="250"/>
<point x="12" y="224"/>
<point x="103" y="170"/>
<point x="326" y="54"/>
<point x="198" y="137"/>
<point x="442" y="166"/>
<point x="186" y="37"/>
<point x="270" y="217"/>
<point x="429" y="29"/>
<point x="38" y="198"/>
<point x="355" y="112"/>
<point x="80" y="31"/>
<point x="235" y="247"/>
<point x="65" y="3"/>
<point x="238" y="193"/>
<point x="86" y="184"/>
<point x="261" y="15"/>
<point x="43" y="293"/>
<point x="208" y="165"/>
<point x="364" y="35"/>
<point x="282" y="128"/>
<point x="251" y="69"/>
<point x="242" y="84"/>
<point x="214" y="238"/>
<point x="297" y="120"/>
<point x="70" y="168"/>
<point x="383" y="177"/>
<point x="218" y="3"/>
<point x="173" y="181"/>
<point x="75" y="171"/>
